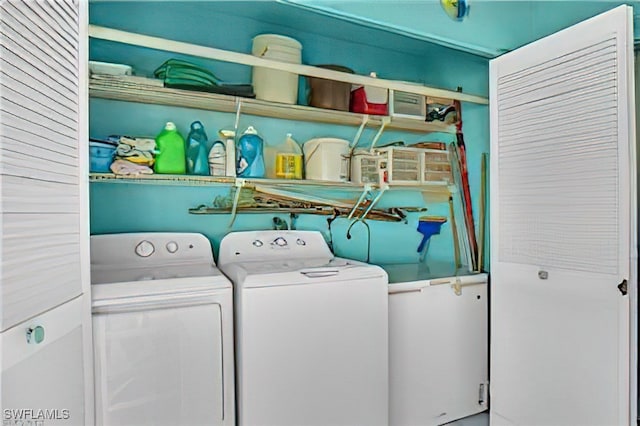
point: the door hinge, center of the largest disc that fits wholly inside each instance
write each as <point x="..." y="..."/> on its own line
<point x="623" y="287"/>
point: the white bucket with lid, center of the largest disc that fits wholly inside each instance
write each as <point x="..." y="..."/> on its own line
<point x="326" y="159"/>
<point x="274" y="85"/>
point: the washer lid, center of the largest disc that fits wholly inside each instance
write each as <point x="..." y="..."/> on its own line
<point x="299" y="272"/>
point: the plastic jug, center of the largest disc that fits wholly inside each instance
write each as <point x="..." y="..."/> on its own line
<point x="197" y="163"/>
<point x="289" y="160"/>
<point x="217" y="159"/>
<point x="229" y="137"/>
<point x="249" y="154"/>
<point x="171" y="147"/>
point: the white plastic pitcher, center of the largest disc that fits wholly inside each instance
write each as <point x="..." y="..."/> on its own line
<point x="274" y="85"/>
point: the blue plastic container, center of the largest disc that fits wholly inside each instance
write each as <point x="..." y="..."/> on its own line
<point x="249" y="155"/>
<point x="100" y="157"/>
<point x="197" y="161"/>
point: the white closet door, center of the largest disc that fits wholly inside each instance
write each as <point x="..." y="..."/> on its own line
<point x="563" y="226"/>
<point x="42" y="173"/>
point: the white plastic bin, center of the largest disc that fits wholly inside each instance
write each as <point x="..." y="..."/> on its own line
<point x="326" y="159"/>
<point x="274" y="85"/>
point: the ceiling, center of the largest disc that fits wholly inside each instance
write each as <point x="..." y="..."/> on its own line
<point x="490" y="29"/>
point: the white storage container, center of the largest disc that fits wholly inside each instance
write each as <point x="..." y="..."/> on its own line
<point x="404" y="165"/>
<point x="409" y="105"/>
<point x="274" y="85"/>
<point x="326" y="159"/>
<point x="437" y="167"/>
<point x="367" y="167"/>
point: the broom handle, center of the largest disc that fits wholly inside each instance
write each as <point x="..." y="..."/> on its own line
<point x="454" y="230"/>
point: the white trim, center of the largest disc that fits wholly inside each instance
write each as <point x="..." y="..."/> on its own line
<point x="246" y="59"/>
<point x="83" y="174"/>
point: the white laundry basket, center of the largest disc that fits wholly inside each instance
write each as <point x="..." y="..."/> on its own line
<point x="274" y="85"/>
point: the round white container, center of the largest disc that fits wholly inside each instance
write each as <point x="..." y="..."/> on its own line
<point x="326" y="159"/>
<point x="274" y="85"/>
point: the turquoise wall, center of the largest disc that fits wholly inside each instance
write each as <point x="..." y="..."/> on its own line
<point x="120" y="207"/>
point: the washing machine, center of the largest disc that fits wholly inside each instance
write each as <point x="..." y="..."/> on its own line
<point x="163" y="331"/>
<point x="311" y="332"/>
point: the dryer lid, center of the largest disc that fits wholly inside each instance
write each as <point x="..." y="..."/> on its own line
<point x="105" y="274"/>
<point x="167" y="282"/>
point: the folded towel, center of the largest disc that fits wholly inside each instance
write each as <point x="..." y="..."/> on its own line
<point x="136" y="150"/>
<point x="124" y="167"/>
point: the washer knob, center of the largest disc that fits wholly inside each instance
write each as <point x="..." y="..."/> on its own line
<point x="145" y="249"/>
<point x="280" y="242"/>
<point x="301" y="242"/>
<point x="172" y="247"/>
<point x="258" y="243"/>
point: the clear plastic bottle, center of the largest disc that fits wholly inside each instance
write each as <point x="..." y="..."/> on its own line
<point x="171" y="147"/>
<point x="197" y="162"/>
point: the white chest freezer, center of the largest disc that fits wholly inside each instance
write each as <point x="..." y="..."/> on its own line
<point x="438" y="346"/>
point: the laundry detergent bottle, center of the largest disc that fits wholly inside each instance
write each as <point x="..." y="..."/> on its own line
<point x="249" y="154"/>
<point x="197" y="160"/>
<point x="171" y="147"/>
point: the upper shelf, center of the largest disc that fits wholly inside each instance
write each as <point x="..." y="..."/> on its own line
<point x="158" y="43"/>
<point x="143" y="90"/>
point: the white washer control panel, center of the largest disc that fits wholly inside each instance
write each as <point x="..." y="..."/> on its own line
<point x="280" y="242"/>
<point x="251" y="246"/>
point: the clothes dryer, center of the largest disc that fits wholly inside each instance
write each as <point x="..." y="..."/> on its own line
<point x="163" y="331"/>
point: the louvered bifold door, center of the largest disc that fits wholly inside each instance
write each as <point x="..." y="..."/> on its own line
<point x="40" y="177"/>
<point x="563" y="227"/>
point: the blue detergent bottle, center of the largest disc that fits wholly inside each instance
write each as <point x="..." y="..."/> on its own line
<point x="249" y="154"/>
<point x="197" y="161"/>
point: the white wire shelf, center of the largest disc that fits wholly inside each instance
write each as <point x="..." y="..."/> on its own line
<point x="146" y="91"/>
<point x="193" y="180"/>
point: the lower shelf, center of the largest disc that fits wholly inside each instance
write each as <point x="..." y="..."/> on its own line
<point x="440" y="187"/>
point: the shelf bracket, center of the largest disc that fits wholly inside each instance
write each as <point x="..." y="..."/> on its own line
<point x="364" y="215"/>
<point x="356" y="139"/>
<point x="385" y="122"/>
<point x="365" y="192"/>
<point x="238" y="185"/>
<point x="383" y="188"/>
<point x="238" y="112"/>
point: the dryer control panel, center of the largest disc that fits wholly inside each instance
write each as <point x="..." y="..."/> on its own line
<point x="150" y="248"/>
<point x="253" y="246"/>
